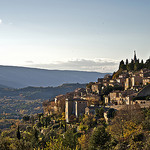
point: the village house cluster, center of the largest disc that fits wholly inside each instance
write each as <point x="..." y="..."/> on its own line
<point x="128" y="88"/>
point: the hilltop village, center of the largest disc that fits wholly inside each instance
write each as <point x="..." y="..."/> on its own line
<point x="128" y="86"/>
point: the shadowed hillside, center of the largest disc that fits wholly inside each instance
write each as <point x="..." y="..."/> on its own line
<point x="19" y="77"/>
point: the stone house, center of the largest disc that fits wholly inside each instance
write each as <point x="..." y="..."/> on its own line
<point x="127" y="83"/>
<point x="144" y="73"/>
<point x="113" y="83"/>
<point x="90" y="110"/>
<point x="146" y="80"/>
<point x="116" y="97"/>
<point x="107" y="99"/>
<point x="136" y="80"/>
<point x="96" y="88"/>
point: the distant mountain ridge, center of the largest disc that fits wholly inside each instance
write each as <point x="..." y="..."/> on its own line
<point x="20" y="77"/>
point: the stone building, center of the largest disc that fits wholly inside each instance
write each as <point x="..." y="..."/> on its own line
<point x="128" y="83"/>
<point x="90" y="110"/>
<point x="107" y="99"/>
<point x="74" y="107"/>
<point x="136" y="80"/>
<point x="116" y="97"/>
<point x="146" y="80"/>
<point x="60" y="103"/>
<point x="144" y="73"/>
<point x="96" y="88"/>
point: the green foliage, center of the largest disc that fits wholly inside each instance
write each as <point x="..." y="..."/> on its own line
<point x="39" y="124"/>
<point x="109" y="89"/>
<point x="18" y="134"/>
<point x="21" y="145"/>
<point x="122" y="65"/>
<point x="147" y="64"/>
<point x="99" y="138"/>
<point x="138" y="137"/>
<point x="87" y="122"/>
<point x="132" y="66"/>
<point x="129" y="129"/>
<point x="138" y="66"/>
<point x="99" y="112"/>
<point x="111" y="113"/>
<point x="56" y="144"/>
<point x="70" y="139"/>
<point x="26" y="118"/>
<point x="127" y="61"/>
<point x="35" y="133"/>
<point x="5" y="143"/>
<point x="116" y="74"/>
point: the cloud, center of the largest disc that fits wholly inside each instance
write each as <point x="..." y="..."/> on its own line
<point x="29" y="62"/>
<point x="0" y="21"/>
<point x="99" y="65"/>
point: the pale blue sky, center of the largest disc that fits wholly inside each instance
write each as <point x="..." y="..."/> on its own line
<point x="90" y="35"/>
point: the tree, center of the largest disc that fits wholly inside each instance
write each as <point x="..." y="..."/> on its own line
<point x="99" y="138"/>
<point x="40" y="115"/>
<point x="69" y="139"/>
<point x="111" y="113"/>
<point x="122" y="65"/>
<point x="26" y="118"/>
<point x="99" y="112"/>
<point x="18" y="133"/>
<point x="130" y="66"/>
<point x="126" y="121"/>
<point x="137" y="66"/>
<point x="147" y="64"/>
<point x="142" y="61"/>
<point x="35" y="133"/>
<point x="32" y="120"/>
<point x="5" y="143"/>
<point x="83" y="140"/>
<point x="56" y="144"/>
<point x="116" y="74"/>
<point x="107" y="90"/>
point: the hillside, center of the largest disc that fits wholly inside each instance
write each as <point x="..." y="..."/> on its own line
<point x="18" y="102"/>
<point x="20" y="77"/>
<point x="32" y="93"/>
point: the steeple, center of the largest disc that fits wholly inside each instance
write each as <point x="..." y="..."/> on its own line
<point x="135" y="59"/>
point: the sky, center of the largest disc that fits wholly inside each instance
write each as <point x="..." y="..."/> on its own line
<point x="86" y="35"/>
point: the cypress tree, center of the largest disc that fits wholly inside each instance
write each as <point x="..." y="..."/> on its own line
<point x="18" y="134"/>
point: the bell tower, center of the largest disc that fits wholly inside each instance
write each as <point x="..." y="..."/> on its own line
<point x="135" y="59"/>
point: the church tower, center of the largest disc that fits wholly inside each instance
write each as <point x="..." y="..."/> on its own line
<point x="135" y="59"/>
